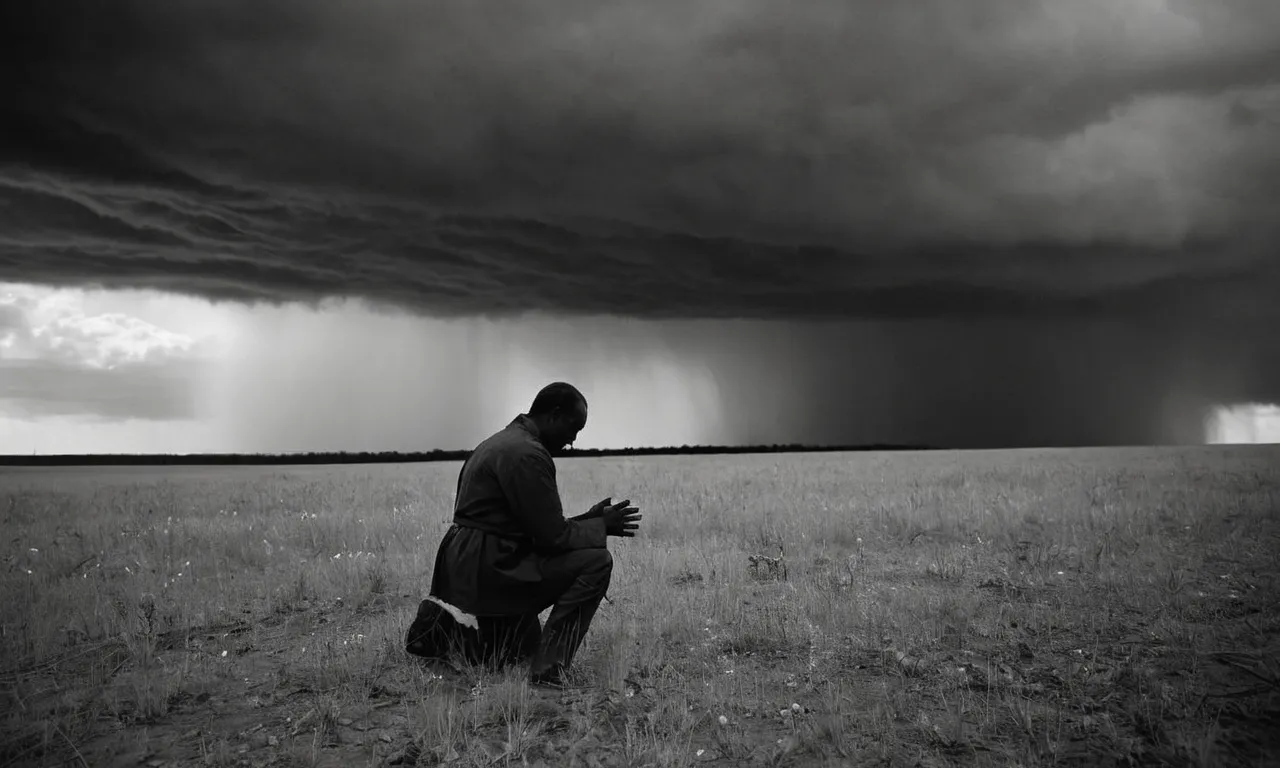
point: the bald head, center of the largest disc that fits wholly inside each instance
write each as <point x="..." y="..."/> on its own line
<point x="560" y="411"/>
<point x="556" y="395"/>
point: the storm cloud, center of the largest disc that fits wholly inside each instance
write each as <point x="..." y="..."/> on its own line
<point x="989" y="222"/>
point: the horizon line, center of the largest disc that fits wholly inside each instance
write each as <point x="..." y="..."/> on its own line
<point x="455" y="454"/>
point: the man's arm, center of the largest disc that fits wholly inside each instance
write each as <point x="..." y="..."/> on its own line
<point x="529" y="482"/>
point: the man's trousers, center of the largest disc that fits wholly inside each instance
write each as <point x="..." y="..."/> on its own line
<point x="572" y="585"/>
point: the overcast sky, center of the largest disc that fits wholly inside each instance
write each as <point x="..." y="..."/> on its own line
<point x="272" y="225"/>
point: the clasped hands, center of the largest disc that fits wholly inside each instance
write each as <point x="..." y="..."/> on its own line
<point x="620" y="519"/>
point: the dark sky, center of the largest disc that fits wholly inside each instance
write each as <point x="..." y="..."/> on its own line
<point x="976" y="224"/>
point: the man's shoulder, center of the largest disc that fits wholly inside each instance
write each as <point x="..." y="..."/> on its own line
<point x="512" y="442"/>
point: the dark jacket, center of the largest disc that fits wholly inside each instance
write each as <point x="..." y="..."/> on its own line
<point x="507" y="521"/>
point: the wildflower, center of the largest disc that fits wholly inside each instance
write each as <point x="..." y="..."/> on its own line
<point x="723" y="721"/>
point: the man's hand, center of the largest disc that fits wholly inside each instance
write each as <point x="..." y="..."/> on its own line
<point x="619" y="519"/>
<point x="597" y="509"/>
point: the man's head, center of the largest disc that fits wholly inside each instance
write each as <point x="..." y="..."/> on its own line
<point x="560" y="411"/>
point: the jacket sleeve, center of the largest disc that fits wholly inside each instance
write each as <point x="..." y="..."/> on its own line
<point x="529" y="482"/>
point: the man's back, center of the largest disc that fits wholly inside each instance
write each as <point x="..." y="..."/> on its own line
<point x="482" y="501"/>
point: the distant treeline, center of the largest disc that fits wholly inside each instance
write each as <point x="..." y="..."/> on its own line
<point x="395" y="457"/>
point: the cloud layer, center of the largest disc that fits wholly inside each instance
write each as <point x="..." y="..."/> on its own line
<point x="1069" y="204"/>
<point x="666" y="159"/>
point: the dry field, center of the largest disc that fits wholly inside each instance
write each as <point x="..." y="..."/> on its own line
<point x="1029" y="608"/>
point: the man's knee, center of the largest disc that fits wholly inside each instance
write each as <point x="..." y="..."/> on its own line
<point x="599" y="560"/>
<point x="600" y="569"/>
<point x="587" y="561"/>
<point x="594" y="566"/>
<point x="580" y="566"/>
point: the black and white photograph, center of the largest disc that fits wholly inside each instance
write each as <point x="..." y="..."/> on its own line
<point x="640" y="383"/>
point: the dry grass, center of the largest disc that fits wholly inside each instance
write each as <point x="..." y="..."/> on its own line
<point x="988" y="608"/>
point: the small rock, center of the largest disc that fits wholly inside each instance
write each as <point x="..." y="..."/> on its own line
<point x="385" y="737"/>
<point x="345" y="721"/>
<point x="272" y="741"/>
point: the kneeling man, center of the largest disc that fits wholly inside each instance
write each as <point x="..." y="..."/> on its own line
<point x="511" y="554"/>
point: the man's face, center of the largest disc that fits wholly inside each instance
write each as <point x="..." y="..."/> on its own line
<point x="566" y="424"/>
